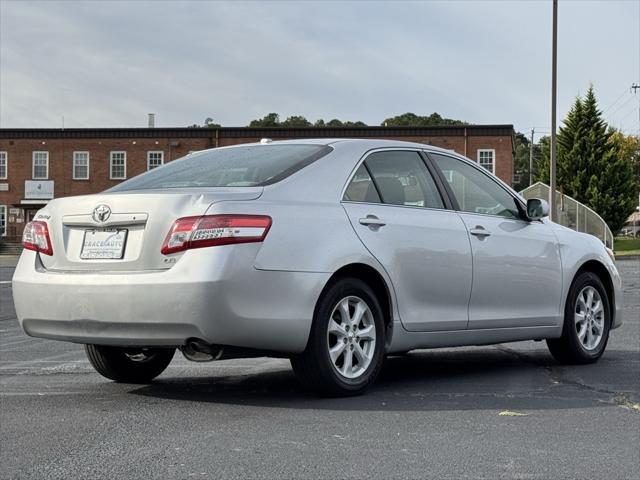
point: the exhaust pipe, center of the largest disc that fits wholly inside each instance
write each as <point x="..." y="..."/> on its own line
<point x="200" y="351"/>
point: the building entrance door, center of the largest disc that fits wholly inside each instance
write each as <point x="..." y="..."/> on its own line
<point x="30" y="213"/>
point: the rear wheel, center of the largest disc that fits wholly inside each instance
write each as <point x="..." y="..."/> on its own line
<point x="345" y="350"/>
<point x="586" y="324"/>
<point x="129" y="365"/>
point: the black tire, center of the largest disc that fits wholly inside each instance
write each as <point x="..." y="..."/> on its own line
<point x="568" y="349"/>
<point x="314" y="367"/>
<point x="129" y="365"/>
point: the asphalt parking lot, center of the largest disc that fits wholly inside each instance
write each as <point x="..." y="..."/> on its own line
<point x="433" y="414"/>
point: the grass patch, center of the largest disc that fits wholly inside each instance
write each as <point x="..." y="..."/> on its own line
<point x="626" y="246"/>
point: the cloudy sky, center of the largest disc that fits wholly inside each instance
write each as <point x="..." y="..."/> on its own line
<point x="109" y="63"/>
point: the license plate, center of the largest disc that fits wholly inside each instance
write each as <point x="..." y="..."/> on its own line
<point x="103" y="244"/>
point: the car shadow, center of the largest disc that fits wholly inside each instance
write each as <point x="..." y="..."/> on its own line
<point x="495" y="378"/>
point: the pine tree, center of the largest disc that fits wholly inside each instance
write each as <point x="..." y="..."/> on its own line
<point x="591" y="166"/>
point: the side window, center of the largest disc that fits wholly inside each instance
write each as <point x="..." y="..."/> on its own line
<point x="3" y="220"/>
<point x="3" y="165"/>
<point x="361" y="188"/>
<point x="475" y="192"/>
<point x="486" y="159"/>
<point x="403" y="179"/>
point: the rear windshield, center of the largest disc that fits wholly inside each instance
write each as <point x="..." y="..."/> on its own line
<point x="246" y="166"/>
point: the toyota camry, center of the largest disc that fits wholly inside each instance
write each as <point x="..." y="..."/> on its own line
<point x="333" y="253"/>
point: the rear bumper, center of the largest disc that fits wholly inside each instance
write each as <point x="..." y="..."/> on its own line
<point x="217" y="297"/>
<point x="112" y="333"/>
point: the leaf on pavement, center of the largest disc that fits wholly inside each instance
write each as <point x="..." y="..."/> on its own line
<point x="509" y="413"/>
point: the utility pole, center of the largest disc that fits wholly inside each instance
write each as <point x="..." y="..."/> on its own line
<point x="553" y="210"/>
<point x="635" y="87"/>
<point x="531" y="158"/>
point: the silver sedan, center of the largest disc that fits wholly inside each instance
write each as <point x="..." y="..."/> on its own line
<point x="333" y="253"/>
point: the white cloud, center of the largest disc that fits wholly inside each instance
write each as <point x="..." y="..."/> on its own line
<point x="109" y="63"/>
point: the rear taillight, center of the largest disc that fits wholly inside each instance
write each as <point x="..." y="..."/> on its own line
<point x="36" y="237"/>
<point x="212" y="230"/>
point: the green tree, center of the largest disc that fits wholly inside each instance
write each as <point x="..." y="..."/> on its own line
<point x="269" y="120"/>
<point x="629" y="147"/>
<point x="273" y="120"/>
<point x="208" y="122"/>
<point x="412" y="120"/>
<point x="521" y="160"/>
<point x="591" y="166"/>
<point x="338" y="123"/>
<point x="541" y="166"/>
<point x="296" y="121"/>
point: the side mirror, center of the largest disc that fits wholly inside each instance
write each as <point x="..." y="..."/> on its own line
<point x="537" y="208"/>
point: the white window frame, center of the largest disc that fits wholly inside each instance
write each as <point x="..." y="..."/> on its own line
<point x="111" y="158"/>
<point x="493" y="159"/>
<point x="4" y="163"/>
<point x="73" y="173"/>
<point x="3" y="225"/>
<point x="152" y="152"/>
<point x="33" y="165"/>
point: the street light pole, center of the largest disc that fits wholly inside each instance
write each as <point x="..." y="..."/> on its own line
<point x="553" y="211"/>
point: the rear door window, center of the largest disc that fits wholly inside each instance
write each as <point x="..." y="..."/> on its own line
<point x="402" y="178"/>
<point x="361" y="188"/>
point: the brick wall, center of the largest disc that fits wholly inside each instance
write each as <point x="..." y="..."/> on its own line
<point x="175" y="143"/>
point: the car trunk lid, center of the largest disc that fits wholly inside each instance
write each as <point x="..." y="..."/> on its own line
<point x="124" y="231"/>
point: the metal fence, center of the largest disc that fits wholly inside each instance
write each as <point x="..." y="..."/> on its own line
<point x="573" y="214"/>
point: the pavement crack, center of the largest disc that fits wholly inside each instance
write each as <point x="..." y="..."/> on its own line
<point x="617" y="398"/>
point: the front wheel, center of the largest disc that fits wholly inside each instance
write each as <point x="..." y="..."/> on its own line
<point x="586" y="324"/>
<point x="346" y="344"/>
<point x="129" y="365"/>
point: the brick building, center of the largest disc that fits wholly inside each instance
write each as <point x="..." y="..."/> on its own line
<point x="37" y="165"/>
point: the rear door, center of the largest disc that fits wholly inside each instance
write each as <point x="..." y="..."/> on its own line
<point x="400" y="216"/>
<point x="517" y="273"/>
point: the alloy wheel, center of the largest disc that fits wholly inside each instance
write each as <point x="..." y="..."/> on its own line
<point x="351" y="337"/>
<point x="589" y="318"/>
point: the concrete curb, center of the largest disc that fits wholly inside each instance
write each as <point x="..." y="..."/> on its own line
<point x="9" y="260"/>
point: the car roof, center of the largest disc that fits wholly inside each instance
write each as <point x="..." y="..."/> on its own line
<point x="367" y="143"/>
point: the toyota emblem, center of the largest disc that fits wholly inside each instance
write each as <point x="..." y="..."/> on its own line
<point x="101" y="213"/>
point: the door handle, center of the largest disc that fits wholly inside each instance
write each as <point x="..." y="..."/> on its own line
<point x="480" y="231"/>
<point x="372" y="221"/>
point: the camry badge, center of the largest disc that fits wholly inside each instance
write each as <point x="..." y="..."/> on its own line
<point x="101" y="213"/>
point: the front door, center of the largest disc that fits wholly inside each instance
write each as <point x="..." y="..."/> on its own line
<point x="517" y="273"/>
<point x="399" y="215"/>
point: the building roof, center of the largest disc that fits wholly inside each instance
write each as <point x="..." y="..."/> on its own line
<point x="243" y="132"/>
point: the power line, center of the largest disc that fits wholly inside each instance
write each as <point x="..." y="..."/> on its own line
<point x="624" y="92"/>
<point x="622" y="105"/>
<point x="628" y="113"/>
